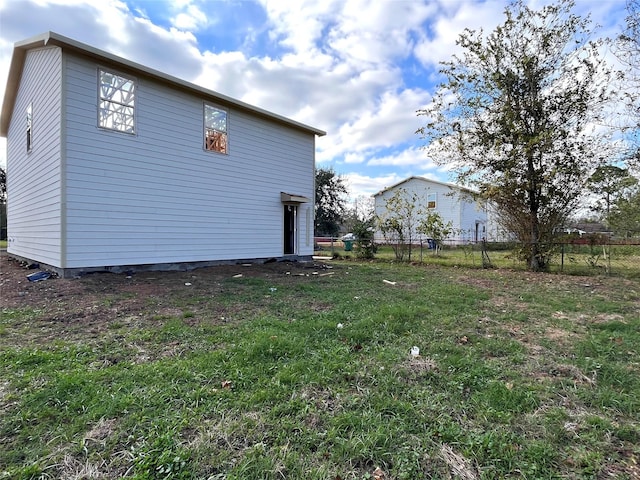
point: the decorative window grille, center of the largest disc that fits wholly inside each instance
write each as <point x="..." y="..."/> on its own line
<point x="116" y="109"/>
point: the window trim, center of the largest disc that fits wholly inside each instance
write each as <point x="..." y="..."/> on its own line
<point x="134" y="81"/>
<point x="205" y="128"/>
<point x="433" y="195"/>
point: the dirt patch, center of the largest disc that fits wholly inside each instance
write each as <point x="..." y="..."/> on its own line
<point x="101" y="431"/>
<point x="562" y="337"/>
<point x="88" y="306"/>
<point x="564" y="373"/>
<point x="420" y="365"/>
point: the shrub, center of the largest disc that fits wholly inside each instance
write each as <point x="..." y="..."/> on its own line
<point x="365" y="246"/>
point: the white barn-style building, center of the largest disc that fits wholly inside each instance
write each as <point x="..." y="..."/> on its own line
<point x="115" y="166"/>
<point x="453" y="203"/>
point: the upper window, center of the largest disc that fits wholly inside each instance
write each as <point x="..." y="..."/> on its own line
<point x="431" y="200"/>
<point x="215" y="129"/>
<point x="29" y="126"/>
<point x="117" y="95"/>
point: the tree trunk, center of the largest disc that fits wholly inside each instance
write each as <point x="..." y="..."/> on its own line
<point x="534" y="247"/>
<point x="534" y="261"/>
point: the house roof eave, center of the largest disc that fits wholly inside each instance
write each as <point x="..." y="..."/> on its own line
<point x="423" y="179"/>
<point x="52" y="38"/>
<point x="13" y="79"/>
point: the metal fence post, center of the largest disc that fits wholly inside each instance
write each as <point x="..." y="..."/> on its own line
<point x="486" y="261"/>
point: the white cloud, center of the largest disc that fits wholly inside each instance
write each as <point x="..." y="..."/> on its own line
<point x="358" y="33"/>
<point x="382" y="35"/>
<point x="386" y="121"/>
<point x="358" y="184"/>
<point x="192" y="19"/>
<point x="355" y="157"/>
<point x="439" y="43"/>
<point x="298" y="25"/>
<point x="410" y="157"/>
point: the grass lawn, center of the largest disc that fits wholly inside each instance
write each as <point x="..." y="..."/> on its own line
<point x="307" y="374"/>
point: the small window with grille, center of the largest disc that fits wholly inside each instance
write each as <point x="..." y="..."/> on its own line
<point x="215" y="129"/>
<point x="116" y="102"/>
<point x="431" y="200"/>
<point x="29" y="127"/>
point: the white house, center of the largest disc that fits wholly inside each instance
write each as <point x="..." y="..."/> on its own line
<point x="453" y="203"/>
<point x="112" y="165"/>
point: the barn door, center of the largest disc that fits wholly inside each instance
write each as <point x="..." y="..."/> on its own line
<point x="290" y="214"/>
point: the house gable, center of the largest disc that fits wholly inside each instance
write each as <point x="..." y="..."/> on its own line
<point x="151" y="193"/>
<point x="453" y="203"/>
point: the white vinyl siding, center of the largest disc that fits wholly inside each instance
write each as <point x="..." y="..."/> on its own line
<point x="452" y="205"/>
<point x="34" y="218"/>
<point x="158" y="197"/>
<point x="470" y="215"/>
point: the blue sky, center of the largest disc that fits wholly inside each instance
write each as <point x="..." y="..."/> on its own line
<point x="357" y="69"/>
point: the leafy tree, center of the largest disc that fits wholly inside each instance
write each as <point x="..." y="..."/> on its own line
<point x="629" y="40"/>
<point x="513" y="116"/>
<point x="330" y="202"/>
<point x="624" y="218"/>
<point x="364" y="232"/>
<point x="398" y="222"/>
<point x="360" y="211"/>
<point x="433" y="226"/>
<point x="628" y="51"/>
<point x="610" y="182"/>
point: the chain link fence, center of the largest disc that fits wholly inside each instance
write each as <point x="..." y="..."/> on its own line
<point x="579" y="257"/>
<point x="571" y="258"/>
